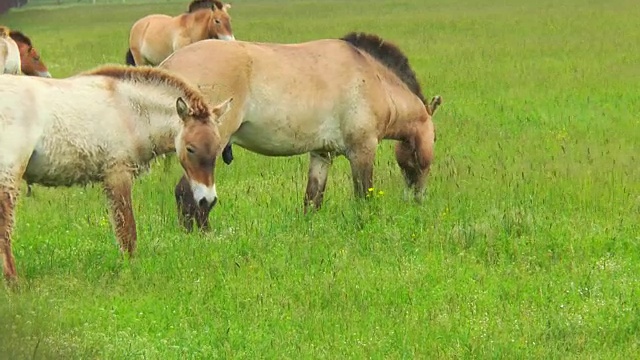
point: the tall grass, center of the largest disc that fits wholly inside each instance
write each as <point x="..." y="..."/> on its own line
<point x="526" y="246"/>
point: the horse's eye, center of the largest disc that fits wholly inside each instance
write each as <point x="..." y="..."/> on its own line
<point x="217" y="22"/>
<point x="191" y="150"/>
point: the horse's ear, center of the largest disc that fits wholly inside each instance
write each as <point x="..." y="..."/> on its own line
<point x="183" y="109"/>
<point x="433" y="105"/>
<point x="226" y="7"/>
<point x="221" y="109"/>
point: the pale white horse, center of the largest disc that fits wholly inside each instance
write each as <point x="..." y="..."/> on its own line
<point x="9" y="53"/>
<point x="105" y="125"/>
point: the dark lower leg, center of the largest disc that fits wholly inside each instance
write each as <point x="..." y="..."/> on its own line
<point x="362" y="170"/>
<point x="185" y="219"/>
<point x="202" y="218"/>
<point x="319" y="165"/>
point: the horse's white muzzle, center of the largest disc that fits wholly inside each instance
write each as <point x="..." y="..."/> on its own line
<point x="43" y="74"/>
<point x="227" y="37"/>
<point x="204" y="195"/>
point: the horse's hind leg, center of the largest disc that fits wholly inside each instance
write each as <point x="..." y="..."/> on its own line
<point x="414" y="155"/>
<point x="8" y="197"/>
<point x="138" y="59"/>
<point x="319" y="165"/>
<point x="117" y="188"/>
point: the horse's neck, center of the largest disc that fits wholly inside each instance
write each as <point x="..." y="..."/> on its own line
<point x="403" y="104"/>
<point x="156" y="115"/>
<point x="197" y="25"/>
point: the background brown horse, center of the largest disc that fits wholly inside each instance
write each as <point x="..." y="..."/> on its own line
<point x="154" y="37"/>
<point x="32" y="64"/>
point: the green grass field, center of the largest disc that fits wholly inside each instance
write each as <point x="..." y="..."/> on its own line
<point x="527" y="246"/>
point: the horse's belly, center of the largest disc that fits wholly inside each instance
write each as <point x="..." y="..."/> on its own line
<point x="280" y="139"/>
<point x="63" y="168"/>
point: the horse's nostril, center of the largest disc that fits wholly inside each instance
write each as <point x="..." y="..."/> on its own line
<point x="203" y="202"/>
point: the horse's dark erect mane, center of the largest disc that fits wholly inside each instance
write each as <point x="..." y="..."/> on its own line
<point x="389" y="55"/>
<point x="204" y="4"/>
<point x="20" y="37"/>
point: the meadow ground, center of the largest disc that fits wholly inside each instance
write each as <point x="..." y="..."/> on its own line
<point x="526" y="248"/>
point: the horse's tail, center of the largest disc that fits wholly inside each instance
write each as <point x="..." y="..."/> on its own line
<point x="129" y="58"/>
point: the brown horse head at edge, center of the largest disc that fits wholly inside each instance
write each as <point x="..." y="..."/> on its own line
<point x="32" y="65"/>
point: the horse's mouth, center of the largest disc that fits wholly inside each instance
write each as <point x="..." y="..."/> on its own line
<point x="227" y="37"/>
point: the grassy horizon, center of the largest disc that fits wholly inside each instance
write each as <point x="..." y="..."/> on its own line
<point x="526" y="246"/>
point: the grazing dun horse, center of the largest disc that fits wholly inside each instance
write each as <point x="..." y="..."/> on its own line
<point x="105" y="125"/>
<point x="32" y="65"/>
<point x="154" y="37"/>
<point x="9" y="53"/>
<point x="327" y="97"/>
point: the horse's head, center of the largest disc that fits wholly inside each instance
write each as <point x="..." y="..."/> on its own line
<point x="197" y="146"/>
<point x="220" y="22"/>
<point x="31" y="64"/>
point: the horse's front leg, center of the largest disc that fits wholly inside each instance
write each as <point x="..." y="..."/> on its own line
<point x="361" y="159"/>
<point x="319" y="165"/>
<point x="117" y="188"/>
<point x="8" y="197"/>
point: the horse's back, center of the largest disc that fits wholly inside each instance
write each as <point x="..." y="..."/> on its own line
<point x="321" y="67"/>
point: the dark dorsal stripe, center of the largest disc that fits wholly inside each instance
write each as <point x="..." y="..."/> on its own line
<point x="389" y="55"/>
